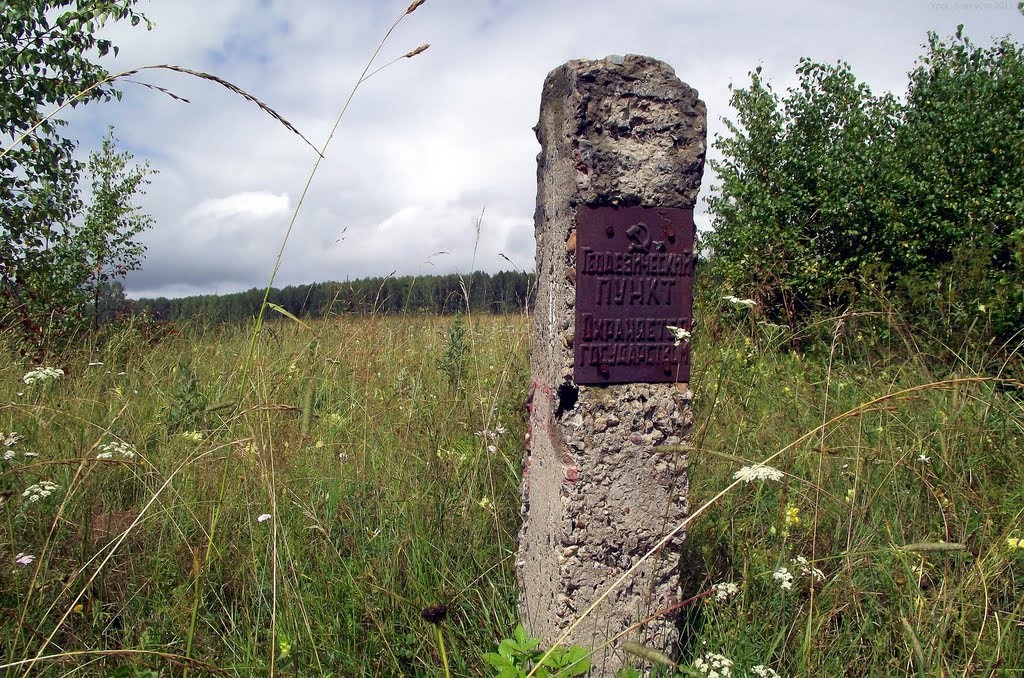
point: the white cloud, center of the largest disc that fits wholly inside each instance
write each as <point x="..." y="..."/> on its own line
<point x="256" y="205"/>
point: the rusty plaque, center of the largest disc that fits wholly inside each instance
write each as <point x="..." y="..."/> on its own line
<point x="634" y="278"/>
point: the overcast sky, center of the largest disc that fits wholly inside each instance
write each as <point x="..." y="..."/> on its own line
<point x="430" y="143"/>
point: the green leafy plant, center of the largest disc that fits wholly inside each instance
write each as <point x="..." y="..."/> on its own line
<point x="453" y="362"/>
<point x="518" y="655"/>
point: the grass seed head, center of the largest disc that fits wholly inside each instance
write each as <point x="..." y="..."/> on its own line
<point x="419" y="50"/>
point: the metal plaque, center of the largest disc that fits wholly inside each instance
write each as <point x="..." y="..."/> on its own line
<point x="634" y="279"/>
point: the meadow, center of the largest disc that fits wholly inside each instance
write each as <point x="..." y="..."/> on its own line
<point x="194" y="500"/>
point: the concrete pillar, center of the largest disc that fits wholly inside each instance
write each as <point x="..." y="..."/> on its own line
<point x="622" y="154"/>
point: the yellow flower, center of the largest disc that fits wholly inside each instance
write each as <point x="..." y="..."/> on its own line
<point x="1015" y="543"/>
<point x="486" y="504"/>
<point x="792" y="515"/>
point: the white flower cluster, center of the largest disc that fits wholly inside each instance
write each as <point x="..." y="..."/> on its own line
<point x="679" y="334"/>
<point x="807" y="570"/>
<point x="41" y="490"/>
<point x="116" y="449"/>
<point x="736" y="301"/>
<point x="43" y="374"/>
<point x="488" y="434"/>
<point x="763" y="671"/>
<point x="713" y="665"/>
<point x="725" y="590"/>
<point x="784" y="577"/>
<point x="749" y="474"/>
<point x="8" y="441"/>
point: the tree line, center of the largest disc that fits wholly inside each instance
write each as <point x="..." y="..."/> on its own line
<point x="477" y="292"/>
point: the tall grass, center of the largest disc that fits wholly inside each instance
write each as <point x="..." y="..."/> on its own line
<point x="387" y="503"/>
<point x="906" y="511"/>
<point x="366" y="442"/>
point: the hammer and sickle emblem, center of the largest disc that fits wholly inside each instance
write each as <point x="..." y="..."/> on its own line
<point x="640" y="239"/>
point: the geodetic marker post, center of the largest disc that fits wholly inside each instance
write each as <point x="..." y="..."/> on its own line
<point x="622" y="155"/>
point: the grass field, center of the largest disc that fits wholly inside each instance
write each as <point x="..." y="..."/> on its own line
<point x="296" y="508"/>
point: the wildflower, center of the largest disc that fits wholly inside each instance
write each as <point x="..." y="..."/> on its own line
<point x="736" y="301"/>
<point x="763" y="671"/>
<point x="9" y="454"/>
<point x="725" y="590"/>
<point x="41" y="490"/>
<point x="24" y="559"/>
<point x="115" y="449"/>
<point x="679" y="335"/>
<point x="95" y="364"/>
<point x="263" y="517"/>
<point x="792" y="515"/>
<point x="749" y="474"/>
<point x="488" y="434"/>
<point x="784" y="577"/>
<point x="191" y="436"/>
<point x="9" y="439"/>
<point x="486" y="504"/>
<point x="924" y="459"/>
<point x="42" y="374"/>
<point x="1015" y="543"/>
<point x="849" y="496"/>
<point x="492" y="449"/>
<point x="807" y="569"/>
<point x="713" y="665"/>
<point x="30" y="454"/>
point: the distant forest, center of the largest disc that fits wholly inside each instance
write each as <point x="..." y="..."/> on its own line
<point x="504" y="292"/>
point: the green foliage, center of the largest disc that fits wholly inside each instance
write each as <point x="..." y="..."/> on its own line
<point x="792" y="215"/>
<point x="106" y="241"/>
<point x="46" y="54"/>
<point x="831" y="194"/>
<point x="518" y="655"/>
<point x="188" y="402"/>
<point x="452" y="361"/>
<point x="961" y="188"/>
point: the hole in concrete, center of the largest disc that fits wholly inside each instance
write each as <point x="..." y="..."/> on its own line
<point x="568" y="395"/>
